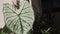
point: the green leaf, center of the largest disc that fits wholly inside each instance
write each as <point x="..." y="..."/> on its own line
<point x="30" y="31"/>
<point x="19" y="21"/>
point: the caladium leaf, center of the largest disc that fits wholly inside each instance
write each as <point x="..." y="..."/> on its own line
<point x="19" y="21"/>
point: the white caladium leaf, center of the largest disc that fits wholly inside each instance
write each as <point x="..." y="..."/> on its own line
<point x="19" y="21"/>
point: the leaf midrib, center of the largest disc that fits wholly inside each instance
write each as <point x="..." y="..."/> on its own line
<point x="19" y="16"/>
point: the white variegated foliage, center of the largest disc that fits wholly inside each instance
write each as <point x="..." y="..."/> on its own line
<point x="19" y="21"/>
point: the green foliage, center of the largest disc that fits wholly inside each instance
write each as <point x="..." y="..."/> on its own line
<point x="45" y="31"/>
<point x="30" y="31"/>
<point x="5" y="30"/>
<point x="19" y="21"/>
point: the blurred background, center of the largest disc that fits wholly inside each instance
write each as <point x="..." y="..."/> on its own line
<point x="47" y="16"/>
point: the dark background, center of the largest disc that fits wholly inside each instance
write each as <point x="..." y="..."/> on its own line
<point x="46" y="9"/>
